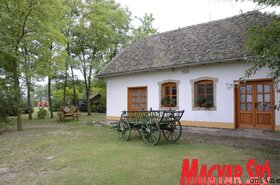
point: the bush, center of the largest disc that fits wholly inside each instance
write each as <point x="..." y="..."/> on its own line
<point x="3" y="115"/>
<point x="99" y="105"/>
<point x="42" y="113"/>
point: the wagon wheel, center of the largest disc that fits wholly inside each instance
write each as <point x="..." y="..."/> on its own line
<point x="124" y="130"/>
<point x="150" y="132"/>
<point x="172" y="132"/>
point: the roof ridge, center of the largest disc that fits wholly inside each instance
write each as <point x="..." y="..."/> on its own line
<point x="209" y="22"/>
<point x="199" y="24"/>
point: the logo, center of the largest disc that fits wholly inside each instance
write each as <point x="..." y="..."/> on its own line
<point x="228" y="174"/>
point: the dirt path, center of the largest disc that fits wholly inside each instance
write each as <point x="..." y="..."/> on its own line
<point x="230" y="141"/>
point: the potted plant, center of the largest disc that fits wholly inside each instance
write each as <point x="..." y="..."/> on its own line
<point x="173" y="102"/>
<point x="207" y="104"/>
<point x="165" y="101"/>
<point x="201" y="101"/>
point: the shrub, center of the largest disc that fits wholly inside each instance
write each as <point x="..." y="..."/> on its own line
<point x="165" y="100"/>
<point x="99" y="105"/>
<point x="3" y="115"/>
<point x="42" y="113"/>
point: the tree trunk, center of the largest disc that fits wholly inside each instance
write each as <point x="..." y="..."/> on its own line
<point x="50" y="96"/>
<point x="87" y="94"/>
<point x="74" y="86"/>
<point x="29" y="104"/>
<point x="17" y="95"/>
<point x="88" y="91"/>
<point x="64" y="88"/>
<point x="88" y="102"/>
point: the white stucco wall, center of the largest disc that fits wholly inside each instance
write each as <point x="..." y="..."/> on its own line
<point x="225" y="73"/>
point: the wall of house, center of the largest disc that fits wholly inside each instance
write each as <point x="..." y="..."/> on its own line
<point x="223" y="116"/>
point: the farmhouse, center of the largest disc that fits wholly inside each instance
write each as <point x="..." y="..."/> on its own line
<point x="196" y="69"/>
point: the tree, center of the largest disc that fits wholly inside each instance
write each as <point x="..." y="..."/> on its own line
<point x="27" y="69"/>
<point x="146" y="28"/>
<point x="4" y="99"/>
<point x="22" y="24"/>
<point x="71" y="16"/>
<point x="56" y="62"/>
<point x="99" y="25"/>
<point x="264" y="44"/>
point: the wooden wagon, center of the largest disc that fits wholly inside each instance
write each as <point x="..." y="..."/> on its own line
<point x="71" y="111"/>
<point x="150" y="125"/>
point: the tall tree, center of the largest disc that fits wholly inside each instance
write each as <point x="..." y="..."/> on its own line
<point x="20" y="21"/>
<point x="27" y="69"/>
<point x="71" y="16"/>
<point x="99" y="25"/>
<point x="56" y="61"/>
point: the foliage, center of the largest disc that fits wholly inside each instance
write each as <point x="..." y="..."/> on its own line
<point x="201" y="101"/>
<point x="42" y="113"/>
<point x="3" y="115"/>
<point x="40" y="38"/>
<point x="97" y="30"/>
<point x="268" y="2"/>
<point x="264" y="45"/>
<point x="207" y="104"/>
<point x="58" y="95"/>
<point x="165" y="101"/>
<point x="27" y="29"/>
<point x="99" y="88"/>
<point x="146" y="28"/>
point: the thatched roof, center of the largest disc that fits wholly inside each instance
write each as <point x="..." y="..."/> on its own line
<point x="212" y="42"/>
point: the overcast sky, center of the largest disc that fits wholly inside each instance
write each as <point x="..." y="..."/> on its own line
<point x="172" y="14"/>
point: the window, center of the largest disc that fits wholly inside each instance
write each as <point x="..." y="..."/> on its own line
<point x="169" y="94"/>
<point x="204" y="95"/>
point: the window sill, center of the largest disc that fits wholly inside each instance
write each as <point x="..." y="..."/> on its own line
<point x="204" y="109"/>
<point x="169" y="108"/>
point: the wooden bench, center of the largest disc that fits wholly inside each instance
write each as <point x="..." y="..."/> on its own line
<point x="67" y="111"/>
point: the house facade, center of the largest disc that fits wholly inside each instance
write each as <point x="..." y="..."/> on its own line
<point x="196" y="69"/>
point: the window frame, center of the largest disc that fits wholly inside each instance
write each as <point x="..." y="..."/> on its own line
<point x="162" y="93"/>
<point x="205" y="81"/>
<point x="205" y="93"/>
<point x="169" y="85"/>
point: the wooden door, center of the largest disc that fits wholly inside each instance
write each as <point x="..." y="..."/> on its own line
<point x="255" y="101"/>
<point x="264" y="104"/>
<point x="245" y="105"/>
<point x="137" y="98"/>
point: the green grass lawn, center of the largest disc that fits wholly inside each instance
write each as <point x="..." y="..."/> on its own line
<point x="54" y="152"/>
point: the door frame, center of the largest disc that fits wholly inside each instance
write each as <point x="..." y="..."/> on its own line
<point x="235" y="82"/>
<point x="136" y="87"/>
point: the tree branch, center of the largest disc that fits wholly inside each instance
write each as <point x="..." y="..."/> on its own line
<point x="8" y="8"/>
<point x="24" y="22"/>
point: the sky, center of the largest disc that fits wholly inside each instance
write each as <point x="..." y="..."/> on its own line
<point x="173" y="14"/>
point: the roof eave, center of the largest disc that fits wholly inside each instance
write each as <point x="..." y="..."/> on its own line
<point x="174" y="66"/>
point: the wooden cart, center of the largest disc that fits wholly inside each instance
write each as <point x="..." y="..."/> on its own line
<point x="150" y="125"/>
<point x="71" y="111"/>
